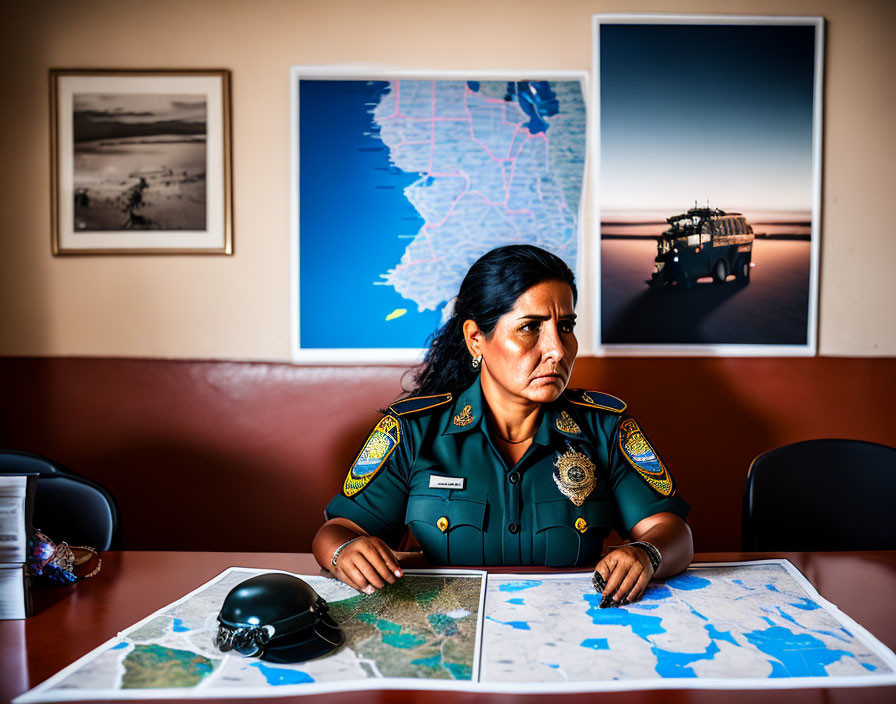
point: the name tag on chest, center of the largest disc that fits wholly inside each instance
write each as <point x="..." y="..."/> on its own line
<point x="437" y="482"/>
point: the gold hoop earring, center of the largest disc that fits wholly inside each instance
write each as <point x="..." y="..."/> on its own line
<point x="476" y="361"/>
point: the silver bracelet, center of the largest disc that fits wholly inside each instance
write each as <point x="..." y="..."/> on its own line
<point x="653" y="553"/>
<point x="339" y="549"/>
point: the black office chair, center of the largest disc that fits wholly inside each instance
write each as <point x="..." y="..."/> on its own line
<point x="66" y="506"/>
<point x="821" y="495"/>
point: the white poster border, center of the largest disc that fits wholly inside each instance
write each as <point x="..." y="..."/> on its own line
<point x="386" y="356"/>
<point x="810" y="349"/>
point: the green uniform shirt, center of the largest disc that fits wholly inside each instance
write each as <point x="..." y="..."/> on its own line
<point x="430" y="464"/>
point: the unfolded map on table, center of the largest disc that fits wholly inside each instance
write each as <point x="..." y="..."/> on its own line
<point x="722" y="625"/>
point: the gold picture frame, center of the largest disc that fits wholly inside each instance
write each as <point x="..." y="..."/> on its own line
<point x="141" y="161"/>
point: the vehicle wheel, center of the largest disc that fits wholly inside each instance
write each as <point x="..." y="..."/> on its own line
<point x="742" y="270"/>
<point x="719" y="272"/>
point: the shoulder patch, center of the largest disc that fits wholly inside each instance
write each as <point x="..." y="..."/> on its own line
<point x="418" y="404"/>
<point x="641" y="455"/>
<point x="596" y="399"/>
<point x="382" y="441"/>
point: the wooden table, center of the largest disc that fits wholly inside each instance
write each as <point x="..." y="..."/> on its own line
<point x="73" y="620"/>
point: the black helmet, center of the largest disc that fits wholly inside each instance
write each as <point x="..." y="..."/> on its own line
<point x="278" y="618"/>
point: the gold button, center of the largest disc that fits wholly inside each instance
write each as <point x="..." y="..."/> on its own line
<point x="442" y="524"/>
<point x="581" y="525"/>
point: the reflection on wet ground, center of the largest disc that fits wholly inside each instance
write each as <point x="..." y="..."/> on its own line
<point x="771" y="309"/>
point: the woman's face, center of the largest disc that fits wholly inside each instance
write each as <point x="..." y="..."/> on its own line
<point x="532" y="349"/>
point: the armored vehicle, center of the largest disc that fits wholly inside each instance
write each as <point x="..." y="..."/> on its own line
<point x="703" y="242"/>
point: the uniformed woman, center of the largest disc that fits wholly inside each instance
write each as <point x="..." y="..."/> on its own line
<point x="491" y="460"/>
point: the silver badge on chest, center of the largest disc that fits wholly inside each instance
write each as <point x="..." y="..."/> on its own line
<point x="574" y="476"/>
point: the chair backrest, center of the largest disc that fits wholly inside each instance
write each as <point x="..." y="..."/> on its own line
<point x="66" y="506"/>
<point x="821" y="495"/>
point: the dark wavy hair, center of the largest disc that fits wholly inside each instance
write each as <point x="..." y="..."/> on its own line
<point x="489" y="290"/>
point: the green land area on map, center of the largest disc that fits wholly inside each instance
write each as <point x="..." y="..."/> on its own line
<point x="148" y="666"/>
<point x="417" y="627"/>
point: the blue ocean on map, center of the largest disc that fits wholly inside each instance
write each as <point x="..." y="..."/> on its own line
<point x="403" y="184"/>
<point x="345" y="174"/>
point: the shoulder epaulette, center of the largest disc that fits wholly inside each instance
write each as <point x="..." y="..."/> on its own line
<point x="417" y="404"/>
<point x="596" y="399"/>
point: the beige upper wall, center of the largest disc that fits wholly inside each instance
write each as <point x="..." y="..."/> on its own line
<point x="238" y="307"/>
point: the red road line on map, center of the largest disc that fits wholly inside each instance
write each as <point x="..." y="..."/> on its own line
<point x="467" y="91"/>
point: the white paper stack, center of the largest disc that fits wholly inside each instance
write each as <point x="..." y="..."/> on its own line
<point x="16" y="507"/>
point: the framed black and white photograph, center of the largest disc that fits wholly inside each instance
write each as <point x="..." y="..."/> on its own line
<point x="141" y="162"/>
<point x="709" y="185"/>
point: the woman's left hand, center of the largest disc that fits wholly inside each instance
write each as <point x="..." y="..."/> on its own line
<point x="627" y="572"/>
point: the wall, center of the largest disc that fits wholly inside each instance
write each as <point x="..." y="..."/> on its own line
<point x="238" y="307"/>
<point x="244" y="456"/>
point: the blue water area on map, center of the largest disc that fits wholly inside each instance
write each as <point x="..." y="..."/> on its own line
<point x="459" y="671"/>
<point x="520" y="585"/>
<point x="716" y="634"/>
<point x="388" y="626"/>
<point x="519" y="625"/>
<point x="443" y="623"/>
<point x="354" y="223"/>
<point x="673" y="664"/>
<point x="772" y="588"/>
<point x="538" y="100"/>
<point x="404" y="641"/>
<point x="642" y="625"/>
<point x="695" y="612"/>
<point x="687" y="581"/>
<point x="553" y="666"/>
<point x="787" y="617"/>
<point x="432" y="662"/>
<point x="868" y="666"/>
<point x="778" y="670"/>
<point x="120" y="646"/>
<point x="393" y="636"/>
<point x="596" y="643"/>
<point x="645" y="607"/>
<point x="277" y="676"/>
<point x="473" y="86"/>
<point x="655" y="592"/>
<point x="517" y="601"/>
<point x="805" y="604"/>
<point x="801" y="654"/>
<point x="178" y="626"/>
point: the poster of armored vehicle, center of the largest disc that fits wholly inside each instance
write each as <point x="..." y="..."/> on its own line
<point x="708" y="189"/>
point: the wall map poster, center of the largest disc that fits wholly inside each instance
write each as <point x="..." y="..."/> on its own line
<point x="709" y="188"/>
<point x="400" y="182"/>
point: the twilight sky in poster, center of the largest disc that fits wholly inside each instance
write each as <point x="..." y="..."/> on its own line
<point x="706" y="112"/>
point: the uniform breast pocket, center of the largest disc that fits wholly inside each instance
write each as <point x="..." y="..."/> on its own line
<point x="566" y="534"/>
<point x="448" y="530"/>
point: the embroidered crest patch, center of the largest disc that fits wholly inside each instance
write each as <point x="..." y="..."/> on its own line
<point x="643" y="457"/>
<point x="574" y="476"/>
<point x="384" y="438"/>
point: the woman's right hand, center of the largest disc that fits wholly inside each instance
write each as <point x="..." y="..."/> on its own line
<point x="367" y="564"/>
